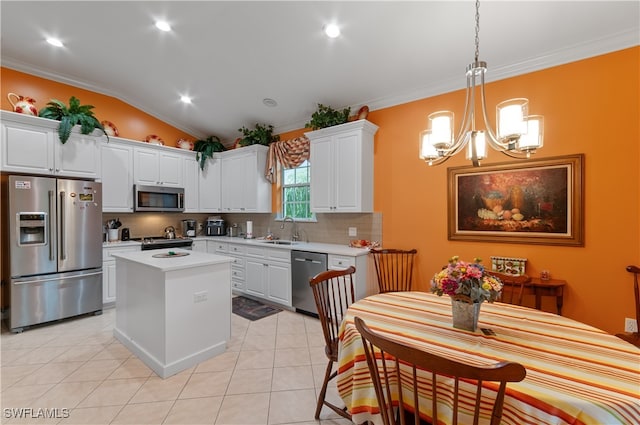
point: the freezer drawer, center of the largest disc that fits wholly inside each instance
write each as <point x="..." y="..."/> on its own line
<point x="40" y="299"/>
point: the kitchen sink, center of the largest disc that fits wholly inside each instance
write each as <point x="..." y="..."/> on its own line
<point x="279" y="242"/>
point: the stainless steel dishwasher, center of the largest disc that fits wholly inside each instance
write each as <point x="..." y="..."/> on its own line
<point x="304" y="266"/>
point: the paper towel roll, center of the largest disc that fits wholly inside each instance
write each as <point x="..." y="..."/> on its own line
<point x="249" y="229"/>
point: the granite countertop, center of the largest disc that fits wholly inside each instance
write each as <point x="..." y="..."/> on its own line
<point x="170" y="263"/>
<point x="120" y="244"/>
<point x="326" y="248"/>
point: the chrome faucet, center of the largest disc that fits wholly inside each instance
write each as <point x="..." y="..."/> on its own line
<point x="294" y="228"/>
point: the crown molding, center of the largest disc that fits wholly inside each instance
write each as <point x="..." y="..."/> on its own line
<point x="91" y="86"/>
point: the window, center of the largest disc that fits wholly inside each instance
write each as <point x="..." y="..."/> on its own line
<point x="296" y="201"/>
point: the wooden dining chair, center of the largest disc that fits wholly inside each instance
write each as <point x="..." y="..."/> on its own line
<point x="333" y="292"/>
<point x="634" y="337"/>
<point x="394" y="269"/>
<point x="445" y="376"/>
<point x="513" y="289"/>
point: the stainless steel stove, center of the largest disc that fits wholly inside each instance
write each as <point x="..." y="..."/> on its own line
<point x="158" y="242"/>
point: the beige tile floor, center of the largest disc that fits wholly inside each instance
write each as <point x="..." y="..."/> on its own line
<point x="76" y="371"/>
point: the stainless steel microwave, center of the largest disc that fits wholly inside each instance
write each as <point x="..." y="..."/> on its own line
<point x="158" y="198"/>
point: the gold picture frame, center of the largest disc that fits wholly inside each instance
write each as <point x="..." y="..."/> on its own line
<point x="537" y="201"/>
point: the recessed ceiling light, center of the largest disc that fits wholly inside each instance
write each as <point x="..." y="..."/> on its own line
<point x="332" y="30"/>
<point x="269" y="102"/>
<point x="54" y="42"/>
<point x="185" y="99"/>
<point x="163" y="26"/>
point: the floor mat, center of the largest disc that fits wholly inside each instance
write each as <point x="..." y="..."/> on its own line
<point x="252" y="309"/>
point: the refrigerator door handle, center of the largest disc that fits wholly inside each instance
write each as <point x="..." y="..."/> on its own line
<point x="63" y="250"/>
<point x="27" y="281"/>
<point x="51" y="239"/>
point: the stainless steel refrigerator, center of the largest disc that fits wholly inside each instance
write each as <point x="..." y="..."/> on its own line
<point x="55" y="249"/>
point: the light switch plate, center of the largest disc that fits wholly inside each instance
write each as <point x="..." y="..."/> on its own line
<point x="353" y="231"/>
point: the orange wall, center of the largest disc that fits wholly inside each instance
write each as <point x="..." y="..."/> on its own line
<point x="131" y="122"/>
<point x="590" y="107"/>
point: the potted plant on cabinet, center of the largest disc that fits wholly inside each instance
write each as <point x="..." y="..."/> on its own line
<point x="70" y="116"/>
<point x="261" y="135"/>
<point x="326" y="116"/>
<point x="205" y="149"/>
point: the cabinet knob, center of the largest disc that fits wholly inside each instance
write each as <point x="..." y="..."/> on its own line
<point x="50" y="169"/>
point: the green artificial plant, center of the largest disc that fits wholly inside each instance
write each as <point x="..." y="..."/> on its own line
<point x="261" y="135"/>
<point x="205" y="149"/>
<point x="326" y="116"/>
<point x="70" y="116"/>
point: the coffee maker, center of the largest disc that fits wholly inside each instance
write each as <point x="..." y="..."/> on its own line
<point x="216" y="227"/>
<point x="189" y="228"/>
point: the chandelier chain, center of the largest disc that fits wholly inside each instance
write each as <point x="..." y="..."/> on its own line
<point x="477" y="29"/>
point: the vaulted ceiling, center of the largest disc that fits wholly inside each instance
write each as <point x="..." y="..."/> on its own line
<point x="230" y="56"/>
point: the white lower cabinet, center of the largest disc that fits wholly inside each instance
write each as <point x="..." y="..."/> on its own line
<point x="109" y="271"/>
<point x="361" y="286"/>
<point x="199" y="245"/>
<point x="268" y="274"/>
<point x="238" y="266"/>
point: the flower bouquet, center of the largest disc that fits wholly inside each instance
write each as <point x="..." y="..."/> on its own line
<point x="468" y="285"/>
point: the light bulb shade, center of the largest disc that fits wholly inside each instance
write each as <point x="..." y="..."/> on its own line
<point x="511" y="118"/>
<point x="477" y="139"/>
<point x="427" y="151"/>
<point x="534" y="137"/>
<point x="441" y="126"/>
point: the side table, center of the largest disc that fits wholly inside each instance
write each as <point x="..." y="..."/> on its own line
<point x="551" y="287"/>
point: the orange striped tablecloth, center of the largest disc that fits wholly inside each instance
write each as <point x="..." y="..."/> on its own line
<point x="576" y="374"/>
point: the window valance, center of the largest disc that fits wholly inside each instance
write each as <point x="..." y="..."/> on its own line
<point x="286" y="153"/>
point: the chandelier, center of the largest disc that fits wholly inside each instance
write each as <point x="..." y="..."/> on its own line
<point x="518" y="134"/>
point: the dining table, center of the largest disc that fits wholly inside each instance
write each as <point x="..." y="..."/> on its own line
<point x="576" y="373"/>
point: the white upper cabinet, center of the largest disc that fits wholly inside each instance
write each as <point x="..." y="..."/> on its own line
<point x="342" y="167"/>
<point x="191" y="177"/>
<point x="117" y="176"/>
<point x="245" y="188"/>
<point x="31" y="145"/>
<point x="156" y="166"/>
<point x="210" y="186"/>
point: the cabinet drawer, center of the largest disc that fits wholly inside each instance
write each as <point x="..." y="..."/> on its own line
<point x="279" y="255"/>
<point x="237" y="249"/>
<point x="219" y="246"/>
<point x="237" y="285"/>
<point x="107" y="253"/>
<point x="336" y="262"/>
<point x="258" y="252"/>
<point x="238" y="262"/>
<point x="237" y="275"/>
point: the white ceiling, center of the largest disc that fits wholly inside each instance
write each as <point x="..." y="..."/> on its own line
<point x="229" y="56"/>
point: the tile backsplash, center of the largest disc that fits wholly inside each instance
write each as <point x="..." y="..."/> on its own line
<point x="329" y="228"/>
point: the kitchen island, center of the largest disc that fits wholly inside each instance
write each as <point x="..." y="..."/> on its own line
<point x="174" y="307"/>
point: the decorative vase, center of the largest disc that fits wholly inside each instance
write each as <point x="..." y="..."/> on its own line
<point x="465" y="313"/>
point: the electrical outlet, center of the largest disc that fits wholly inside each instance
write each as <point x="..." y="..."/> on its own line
<point x="630" y="325"/>
<point x="353" y="231"/>
<point x="199" y="297"/>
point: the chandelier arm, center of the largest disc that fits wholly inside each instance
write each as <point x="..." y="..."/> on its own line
<point x="437" y="161"/>
<point x="465" y="124"/>
<point x="492" y="139"/>
<point x="515" y="154"/>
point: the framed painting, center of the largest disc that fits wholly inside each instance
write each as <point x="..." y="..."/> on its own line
<point x="534" y="202"/>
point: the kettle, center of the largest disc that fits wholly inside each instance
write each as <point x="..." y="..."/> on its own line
<point x="170" y="232"/>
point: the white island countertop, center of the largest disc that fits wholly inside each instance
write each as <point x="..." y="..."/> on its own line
<point x="170" y="263"/>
